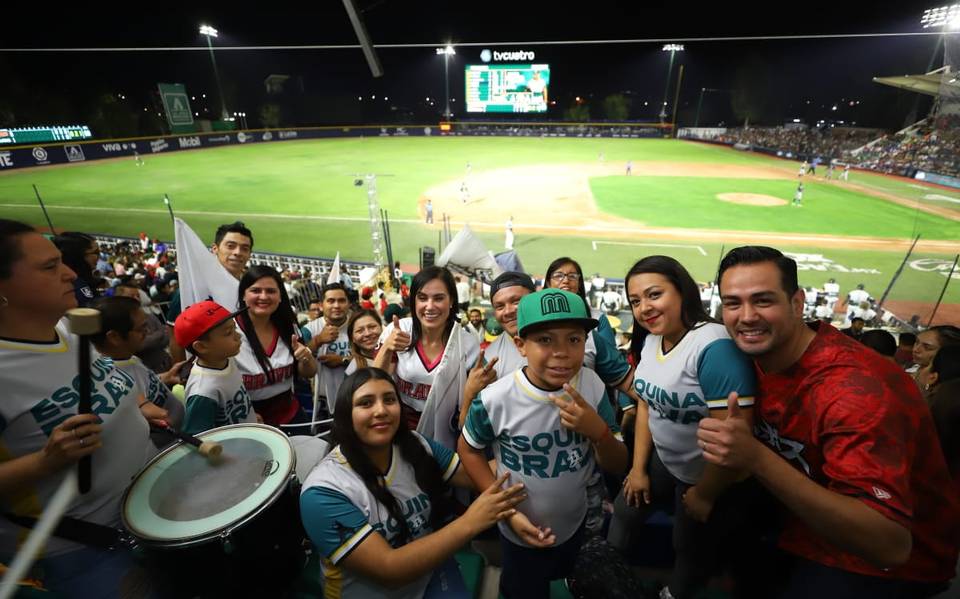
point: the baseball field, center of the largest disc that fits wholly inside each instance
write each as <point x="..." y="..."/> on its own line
<point x="566" y="196"/>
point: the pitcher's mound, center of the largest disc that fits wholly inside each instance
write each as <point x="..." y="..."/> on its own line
<point x="751" y="199"/>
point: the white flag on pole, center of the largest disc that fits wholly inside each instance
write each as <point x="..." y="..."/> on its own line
<point x="334" y="271"/>
<point x="446" y="394"/>
<point x="201" y="274"/>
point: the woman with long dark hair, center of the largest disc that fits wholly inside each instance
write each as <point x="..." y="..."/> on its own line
<point x="270" y="350"/>
<point x="412" y="348"/>
<point x="376" y="506"/>
<point x="80" y="252"/>
<point x="687" y="368"/>
<point x="363" y="331"/>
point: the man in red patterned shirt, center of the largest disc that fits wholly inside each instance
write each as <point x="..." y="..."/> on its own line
<point x="843" y="439"/>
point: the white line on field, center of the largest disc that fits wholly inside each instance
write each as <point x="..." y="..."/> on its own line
<point x="652" y="245"/>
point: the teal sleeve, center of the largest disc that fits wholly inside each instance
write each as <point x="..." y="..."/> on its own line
<point x="722" y="368"/>
<point x="305" y="335"/>
<point x="605" y="409"/>
<point x="625" y="401"/>
<point x="174" y="309"/>
<point x="446" y="458"/>
<point x="477" y="430"/>
<point x="201" y="414"/>
<point x="604" y="328"/>
<point x="611" y="366"/>
<point x="332" y="522"/>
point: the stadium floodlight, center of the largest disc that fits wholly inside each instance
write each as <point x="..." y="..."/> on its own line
<point x="446" y="52"/>
<point x="672" y="49"/>
<point x="209" y="32"/>
<point x="947" y="17"/>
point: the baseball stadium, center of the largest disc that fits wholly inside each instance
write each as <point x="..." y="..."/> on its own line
<point x="334" y="256"/>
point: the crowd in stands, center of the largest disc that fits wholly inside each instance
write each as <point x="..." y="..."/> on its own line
<point x="933" y="145"/>
<point x="791" y="458"/>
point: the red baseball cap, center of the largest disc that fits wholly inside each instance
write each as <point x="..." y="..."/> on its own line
<point x="198" y="319"/>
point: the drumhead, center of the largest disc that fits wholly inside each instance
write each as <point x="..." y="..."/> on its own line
<point x="181" y="497"/>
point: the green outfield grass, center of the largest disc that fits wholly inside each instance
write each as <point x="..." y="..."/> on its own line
<point x="272" y="187"/>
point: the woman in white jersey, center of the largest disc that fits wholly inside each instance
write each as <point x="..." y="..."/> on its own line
<point x="687" y="367"/>
<point x="270" y="350"/>
<point x="375" y="507"/>
<point x="41" y="433"/>
<point x="363" y="332"/>
<point x="412" y="348"/>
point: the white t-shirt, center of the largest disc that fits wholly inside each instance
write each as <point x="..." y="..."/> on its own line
<point x="282" y="368"/>
<point x="154" y="390"/>
<point x="329" y="379"/>
<point x="522" y="424"/>
<point x="216" y="398"/>
<point x="681" y="387"/>
<point x="503" y="347"/>
<point x="339" y="513"/>
<point x="39" y="392"/>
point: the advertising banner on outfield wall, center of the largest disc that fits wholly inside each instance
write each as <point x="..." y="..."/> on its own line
<point x="42" y="155"/>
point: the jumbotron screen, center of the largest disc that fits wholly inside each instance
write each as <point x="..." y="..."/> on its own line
<point x="507" y="88"/>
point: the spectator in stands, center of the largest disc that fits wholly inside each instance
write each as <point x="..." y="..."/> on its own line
<point x="943" y="368"/>
<point x="363" y="331"/>
<point x="80" y="252"/>
<point x="944" y="398"/>
<point x="845" y="442"/>
<point x="475" y="324"/>
<point x="366" y="298"/>
<point x="855" y="330"/>
<point x="233" y="246"/>
<point x="931" y="340"/>
<point x="330" y="343"/>
<point x="271" y="354"/>
<point x="411" y="348"/>
<point x="823" y="312"/>
<point x="905" y="343"/>
<point x="43" y="439"/>
<point x="163" y="292"/>
<point x="881" y="342"/>
<point x="314" y="310"/>
<point x="153" y="349"/>
<point x="388" y="537"/>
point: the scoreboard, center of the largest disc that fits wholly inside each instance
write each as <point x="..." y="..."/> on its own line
<point x="30" y="135"/>
<point x="507" y="88"/>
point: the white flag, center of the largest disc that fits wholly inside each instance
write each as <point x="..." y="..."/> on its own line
<point x="446" y="394"/>
<point x="201" y="274"/>
<point x="334" y="271"/>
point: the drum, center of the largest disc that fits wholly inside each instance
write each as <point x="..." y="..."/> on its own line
<point x="219" y="528"/>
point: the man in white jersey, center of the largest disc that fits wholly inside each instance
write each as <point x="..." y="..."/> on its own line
<point x="545" y="423"/>
<point x="330" y="343"/>
<point x="215" y="395"/>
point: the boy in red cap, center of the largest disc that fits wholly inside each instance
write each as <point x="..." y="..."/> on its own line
<point x="214" y="392"/>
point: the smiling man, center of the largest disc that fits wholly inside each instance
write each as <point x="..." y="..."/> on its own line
<point x="844" y="441"/>
<point x="233" y="246"/>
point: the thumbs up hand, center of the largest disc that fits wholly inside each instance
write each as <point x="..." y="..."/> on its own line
<point x="301" y="352"/>
<point x="398" y="340"/>
<point x="729" y="442"/>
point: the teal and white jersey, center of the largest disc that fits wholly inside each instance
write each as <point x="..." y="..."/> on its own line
<point x="504" y="348"/>
<point x="154" y="390"/>
<point x="216" y="398"/>
<point x="339" y="512"/>
<point x="521" y="423"/>
<point x="602" y="356"/>
<point x="683" y="385"/>
<point x="329" y="379"/>
<point x="40" y="391"/>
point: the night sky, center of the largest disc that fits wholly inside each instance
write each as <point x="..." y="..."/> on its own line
<point x="790" y="79"/>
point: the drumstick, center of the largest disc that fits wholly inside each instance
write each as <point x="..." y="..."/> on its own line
<point x="208" y="449"/>
<point x="83" y="323"/>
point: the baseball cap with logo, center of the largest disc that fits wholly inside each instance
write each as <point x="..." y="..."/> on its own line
<point x="198" y="319"/>
<point x="550" y="306"/>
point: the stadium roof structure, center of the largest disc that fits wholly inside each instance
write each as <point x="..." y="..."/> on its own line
<point x="929" y="83"/>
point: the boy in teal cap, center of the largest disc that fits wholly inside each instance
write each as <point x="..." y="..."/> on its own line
<point x="547" y="423"/>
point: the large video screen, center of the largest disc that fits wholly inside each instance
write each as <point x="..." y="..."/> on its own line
<point x="507" y="88"/>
